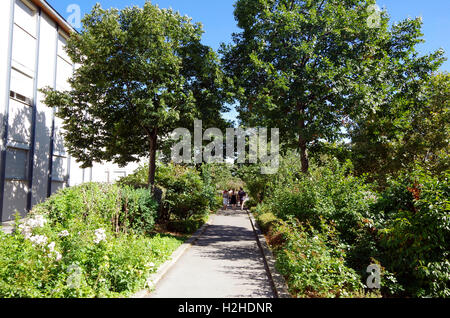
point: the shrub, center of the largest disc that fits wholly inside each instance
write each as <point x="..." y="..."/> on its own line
<point x="210" y="188"/>
<point x="405" y="229"/>
<point x="266" y="221"/>
<point x="138" y="179"/>
<point x="125" y="208"/>
<point x="313" y="263"/>
<point x="184" y="192"/>
<point x="70" y="246"/>
<point x="139" y="209"/>
<point x="186" y="226"/>
<point x="265" y="218"/>
<point x="251" y="203"/>
<point x="25" y="271"/>
<point x="329" y="192"/>
<point x="417" y="231"/>
<point x="255" y="182"/>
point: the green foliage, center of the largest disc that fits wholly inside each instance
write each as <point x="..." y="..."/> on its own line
<point x="312" y="265"/>
<point x="255" y="182"/>
<point x="189" y="226"/>
<point x="184" y="192"/>
<point x="142" y="73"/>
<point x="330" y="192"/>
<point x="138" y="179"/>
<point x="126" y="208"/>
<point x="413" y="128"/>
<point x="310" y="68"/>
<point x="211" y="186"/>
<point x="251" y="203"/>
<point x="140" y="209"/>
<point x="417" y="231"/>
<point x="404" y="229"/>
<point x="25" y="271"/>
<point x="77" y="244"/>
<point x="266" y="221"/>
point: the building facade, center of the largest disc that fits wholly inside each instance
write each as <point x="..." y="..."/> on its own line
<point x="34" y="162"/>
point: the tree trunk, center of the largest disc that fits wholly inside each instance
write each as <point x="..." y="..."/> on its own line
<point x="304" y="155"/>
<point x="302" y="142"/>
<point x="153" y="140"/>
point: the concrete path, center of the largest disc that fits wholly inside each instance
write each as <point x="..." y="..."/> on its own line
<point x="225" y="262"/>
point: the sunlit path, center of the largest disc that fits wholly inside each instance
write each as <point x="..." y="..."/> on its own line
<point x="225" y="262"/>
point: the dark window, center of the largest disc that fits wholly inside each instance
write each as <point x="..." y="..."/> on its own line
<point x="16" y="163"/>
<point x="20" y="97"/>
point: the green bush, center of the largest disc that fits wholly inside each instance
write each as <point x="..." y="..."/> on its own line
<point x="210" y="186"/>
<point x="184" y="192"/>
<point x="139" y="210"/>
<point x="265" y="218"/>
<point x="251" y="203"/>
<point x="189" y="226"/>
<point x="84" y="242"/>
<point x="125" y="208"/>
<point x="138" y="179"/>
<point x="405" y="229"/>
<point x="330" y="192"/>
<point x="417" y="231"/>
<point x="314" y="264"/>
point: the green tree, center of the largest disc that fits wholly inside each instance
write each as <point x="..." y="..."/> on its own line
<point x="413" y="128"/>
<point x="142" y="72"/>
<point x="309" y="67"/>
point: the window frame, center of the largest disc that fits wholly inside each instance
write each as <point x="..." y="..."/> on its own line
<point x="16" y="147"/>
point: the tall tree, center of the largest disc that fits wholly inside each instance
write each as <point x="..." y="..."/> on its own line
<point x="414" y="127"/>
<point x="142" y="72"/>
<point x="309" y="67"/>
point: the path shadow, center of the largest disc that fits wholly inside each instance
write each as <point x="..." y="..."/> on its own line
<point x="236" y="247"/>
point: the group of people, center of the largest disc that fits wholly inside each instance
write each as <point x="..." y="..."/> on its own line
<point x="233" y="198"/>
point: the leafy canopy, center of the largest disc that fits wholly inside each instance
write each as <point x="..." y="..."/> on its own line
<point x="309" y="67"/>
<point x="142" y="72"/>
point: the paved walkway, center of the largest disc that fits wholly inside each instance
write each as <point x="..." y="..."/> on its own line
<point x="225" y="262"/>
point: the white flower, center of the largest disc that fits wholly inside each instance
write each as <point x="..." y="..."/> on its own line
<point x="151" y="265"/>
<point x="64" y="233"/>
<point x="26" y="231"/>
<point x="100" y="235"/>
<point x="40" y="220"/>
<point x="57" y="255"/>
<point x="40" y="240"/>
<point x="37" y="221"/>
<point x="51" y="246"/>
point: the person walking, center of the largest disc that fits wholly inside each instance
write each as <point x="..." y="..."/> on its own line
<point x="233" y="199"/>
<point x="242" y="196"/>
<point x="225" y="197"/>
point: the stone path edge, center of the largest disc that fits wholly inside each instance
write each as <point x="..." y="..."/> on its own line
<point x="278" y="282"/>
<point x="155" y="278"/>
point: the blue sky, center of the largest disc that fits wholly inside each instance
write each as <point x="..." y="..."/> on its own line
<point x="218" y="20"/>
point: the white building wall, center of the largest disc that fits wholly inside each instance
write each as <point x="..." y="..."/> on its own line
<point x="44" y="114"/>
<point x="19" y="123"/>
<point x="36" y="33"/>
<point x="105" y="172"/>
<point x="5" y="23"/>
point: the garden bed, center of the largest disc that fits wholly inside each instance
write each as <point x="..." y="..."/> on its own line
<point x="89" y="241"/>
